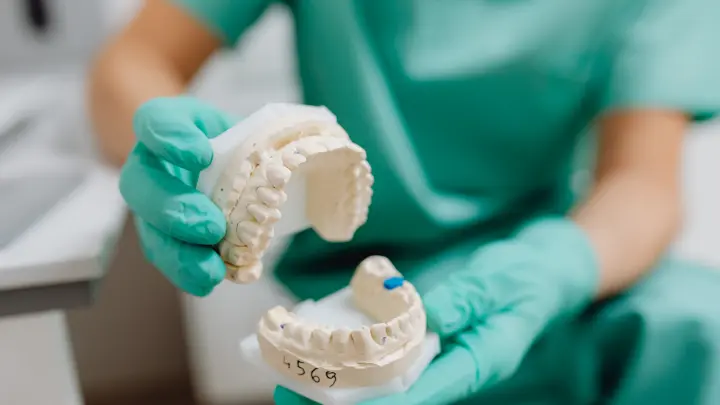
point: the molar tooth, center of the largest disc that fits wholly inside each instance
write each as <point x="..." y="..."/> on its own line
<point x="292" y="158"/>
<point x="293" y="330"/>
<point x="304" y="335"/>
<point x="278" y="175"/>
<point x="379" y="333"/>
<point x="236" y="255"/>
<point x="416" y="312"/>
<point x="310" y="148"/>
<point x="340" y="339"/>
<point x="245" y="274"/>
<point x="404" y="322"/>
<point x="276" y="317"/>
<point x="320" y="338"/>
<point x="393" y="329"/>
<point x="271" y="197"/>
<point x="264" y="214"/>
<point x="248" y="232"/>
<point x="362" y="341"/>
<point x="366" y="180"/>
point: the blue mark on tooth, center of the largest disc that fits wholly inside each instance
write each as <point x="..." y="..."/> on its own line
<point x="393" y="283"/>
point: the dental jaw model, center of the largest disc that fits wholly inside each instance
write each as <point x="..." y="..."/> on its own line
<point x="364" y="356"/>
<point x="365" y="341"/>
<point x="280" y="171"/>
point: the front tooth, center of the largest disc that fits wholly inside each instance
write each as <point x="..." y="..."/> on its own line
<point x="271" y="197"/>
<point x="379" y="333"/>
<point x="276" y="317"/>
<point x="340" y="339"/>
<point x="248" y="232"/>
<point x="362" y="341"/>
<point x="320" y="338"/>
<point x="245" y="169"/>
<point x="264" y="214"/>
<point x="358" y="149"/>
<point x="278" y="175"/>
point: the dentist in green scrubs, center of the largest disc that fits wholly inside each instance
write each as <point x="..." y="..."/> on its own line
<point x="471" y="113"/>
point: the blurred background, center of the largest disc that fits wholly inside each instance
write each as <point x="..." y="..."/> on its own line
<point x="131" y="338"/>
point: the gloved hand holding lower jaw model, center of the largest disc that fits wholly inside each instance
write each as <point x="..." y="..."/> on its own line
<point x="209" y="197"/>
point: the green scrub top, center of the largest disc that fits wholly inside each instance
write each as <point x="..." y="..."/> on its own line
<point x="471" y="111"/>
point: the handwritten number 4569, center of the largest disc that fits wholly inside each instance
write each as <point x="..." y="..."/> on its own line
<point x="328" y="374"/>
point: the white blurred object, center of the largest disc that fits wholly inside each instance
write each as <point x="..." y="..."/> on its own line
<point x="36" y="364"/>
<point x="41" y="35"/>
<point x="699" y="238"/>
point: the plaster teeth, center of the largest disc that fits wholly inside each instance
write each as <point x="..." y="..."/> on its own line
<point x="404" y="322"/>
<point x="292" y="331"/>
<point x="244" y="274"/>
<point x="389" y="345"/>
<point x="263" y="214"/>
<point x="416" y="313"/>
<point x="236" y="255"/>
<point x="358" y="149"/>
<point x="320" y="339"/>
<point x="394" y="329"/>
<point x="271" y="197"/>
<point x="310" y="148"/>
<point x="248" y="232"/>
<point x="362" y="341"/>
<point x="379" y="333"/>
<point x="276" y="317"/>
<point x="293" y="159"/>
<point x="340" y="339"/>
<point x="278" y="175"/>
<point x="257" y="157"/>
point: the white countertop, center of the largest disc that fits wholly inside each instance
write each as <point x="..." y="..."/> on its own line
<point x="71" y="241"/>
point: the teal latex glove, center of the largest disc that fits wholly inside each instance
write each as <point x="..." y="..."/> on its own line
<point x="177" y="225"/>
<point x="490" y="314"/>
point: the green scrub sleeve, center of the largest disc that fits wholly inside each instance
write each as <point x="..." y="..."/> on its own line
<point x="668" y="57"/>
<point x="228" y="19"/>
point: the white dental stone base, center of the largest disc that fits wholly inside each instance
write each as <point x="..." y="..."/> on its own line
<point x="337" y="310"/>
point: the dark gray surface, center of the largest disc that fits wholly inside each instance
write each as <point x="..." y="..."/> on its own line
<point x="44" y="298"/>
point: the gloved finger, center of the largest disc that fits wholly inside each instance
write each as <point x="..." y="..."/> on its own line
<point x="191" y="268"/>
<point x="177" y="129"/>
<point x="283" y="396"/>
<point x="451" y="377"/>
<point x="167" y="203"/>
<point x="468" y="297"/>
<point x="477" y="358"/>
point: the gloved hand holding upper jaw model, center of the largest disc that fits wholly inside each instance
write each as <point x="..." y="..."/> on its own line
<point x="462" y="120"/>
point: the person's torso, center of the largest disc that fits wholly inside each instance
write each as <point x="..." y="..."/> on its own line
<point x="469" y="111"/>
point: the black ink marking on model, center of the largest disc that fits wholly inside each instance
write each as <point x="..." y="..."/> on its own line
<point x="299" y="364"/>
<point x="331" y="376"/>
<point x="315" y="378"/>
